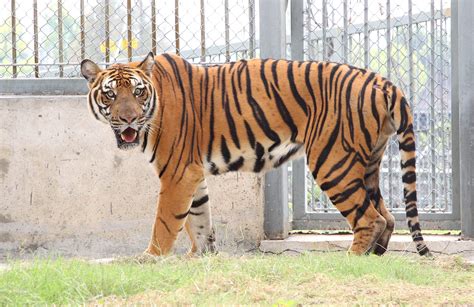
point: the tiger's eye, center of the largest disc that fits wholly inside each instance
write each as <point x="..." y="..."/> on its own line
<point x="138" y="91"/>
<point x="110" y="94"/>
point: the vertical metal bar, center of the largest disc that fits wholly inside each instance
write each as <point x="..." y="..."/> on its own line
<point x="366" y="33"/>
<point x="389" y="75"/>
<point x="107" y="31"/>
<point x="14" y="59"/>
<point x="461" y="186"/>
<point x="153" y="26"/>
<point x="227" y="26"/>
<point x="176" y="26"/>
<point x="83" y="31"/>
<point x="411" y="80"/>
<point x="463" y="25"/>
<point x="35" y="37"/>
<point x="309" y="41"/>
<point x="203" y="33"/>
<point x="325" y="26"/>
<point x="129" y="30"/>
<point x="432" y="106"/>
<point x="444" y="185"/>
<point x="273" y="45"/>
<point x="297" y="30"/>
<point x="299" y="166"/>
<point x="251" y="29"/>
<point x="60" y="38"/>
<point x="345" y="34"/>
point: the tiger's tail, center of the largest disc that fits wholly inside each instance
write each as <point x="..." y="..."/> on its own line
<point x="403" y="121"/>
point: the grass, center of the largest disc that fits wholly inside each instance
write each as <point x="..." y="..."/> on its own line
<point x="331" y="278"/>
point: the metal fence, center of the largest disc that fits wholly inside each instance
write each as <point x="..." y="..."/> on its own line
<point x="49" y="38"/>
<point x="409" y="43"/>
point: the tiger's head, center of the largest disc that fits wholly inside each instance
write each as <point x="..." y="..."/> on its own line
<point x="123" y="96"/>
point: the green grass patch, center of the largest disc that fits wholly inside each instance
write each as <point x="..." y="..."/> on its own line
<point x="284" y="280"/>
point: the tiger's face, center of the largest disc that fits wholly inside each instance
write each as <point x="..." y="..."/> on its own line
<point x="122" y="96"/>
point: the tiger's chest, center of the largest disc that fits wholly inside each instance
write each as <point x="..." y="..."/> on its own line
<point x="253" y="159"/>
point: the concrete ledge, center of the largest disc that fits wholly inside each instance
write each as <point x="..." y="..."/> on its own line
<point x="44" y="86"/>
<point x="439" y="244"/>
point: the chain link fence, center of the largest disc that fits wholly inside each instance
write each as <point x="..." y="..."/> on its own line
<point x="40" y="39"/>
<point x="409" y="43"/>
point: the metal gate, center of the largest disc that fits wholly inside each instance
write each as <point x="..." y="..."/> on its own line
<point x="409" y="43"/>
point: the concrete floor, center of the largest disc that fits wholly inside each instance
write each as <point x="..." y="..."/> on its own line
<point x="438" y="244"/>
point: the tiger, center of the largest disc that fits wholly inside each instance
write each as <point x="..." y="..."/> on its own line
<point x="193" y="121"/>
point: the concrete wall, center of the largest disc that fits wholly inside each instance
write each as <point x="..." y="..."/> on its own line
<point x="66" y="188"/>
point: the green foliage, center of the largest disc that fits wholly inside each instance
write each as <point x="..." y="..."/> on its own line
<point x="279" y="280"/>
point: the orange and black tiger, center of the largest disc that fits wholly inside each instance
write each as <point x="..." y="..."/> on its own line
<point x="193" y="121"/>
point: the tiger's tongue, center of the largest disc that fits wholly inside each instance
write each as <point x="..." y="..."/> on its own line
<point x="129" y="135"/>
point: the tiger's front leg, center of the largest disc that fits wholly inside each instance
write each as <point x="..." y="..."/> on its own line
<point x="173" y="208"/>
<point x="199" y="222"/>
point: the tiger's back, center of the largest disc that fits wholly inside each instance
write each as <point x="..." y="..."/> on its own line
<point x="257" y="123"/>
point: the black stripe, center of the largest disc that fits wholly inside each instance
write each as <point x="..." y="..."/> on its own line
<point x="181" y="216"/>
<point x="196" y="213"/>
<point x="145" y="141"/>
<point x="274" y="73"/>
<point x="164" y="167"/>
<point x="264" y="79"/>
<point x="259" y="162"/>
<point x="211" y="127"/>
<point x="199" y="202"/>
<point x="234" y="95"/>
<point x="405" y="146"/>
<point x="409" y="177"/>
<point x="234" y="166"/>
<point x="164" y="223"/>
<point x="408" y="163"/>
<point x="259" y="114"/>
<point x="225" y="150"/>
<point x="250" y="134"/>
<point x="365" y="131"/>
<point x="362" y="209"/>
<point x="231" y="123"/>
<point x="285" y="114"/>
<point x="287" y="156"/>
<point x="294" y="89"/>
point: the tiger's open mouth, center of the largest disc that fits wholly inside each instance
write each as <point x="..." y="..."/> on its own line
<point x="127" y="138"/>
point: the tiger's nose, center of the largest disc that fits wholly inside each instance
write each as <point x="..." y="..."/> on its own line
<point x="128" y="118"/>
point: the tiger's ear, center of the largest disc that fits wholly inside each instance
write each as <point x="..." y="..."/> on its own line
<point x="89" y="70"/>
<point x="147" y="64"/>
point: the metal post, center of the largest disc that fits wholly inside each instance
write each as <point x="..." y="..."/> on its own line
<point x="203" y="32"/>
<point x="107" y="31"/>
<point x="366" y="34"/>
<point x="35" y="37"/>
<point x="129" y="30"/>
<point x="226" y="30"/>
<point x="153" y="26"/>
<point x="273" y="45"/>
<point x="297" y="53"/>
<point x="463" y="95"/>
<point x="176" y="27"/>
<point x="251" y="29"/>
<point x="13" y="4"/>
<point x="60" y="38"/>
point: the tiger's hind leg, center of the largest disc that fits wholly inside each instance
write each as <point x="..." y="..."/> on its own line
<point x="199" y="222"/>
<point x="348" y="193"/>
<point x="372" y="181"/>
